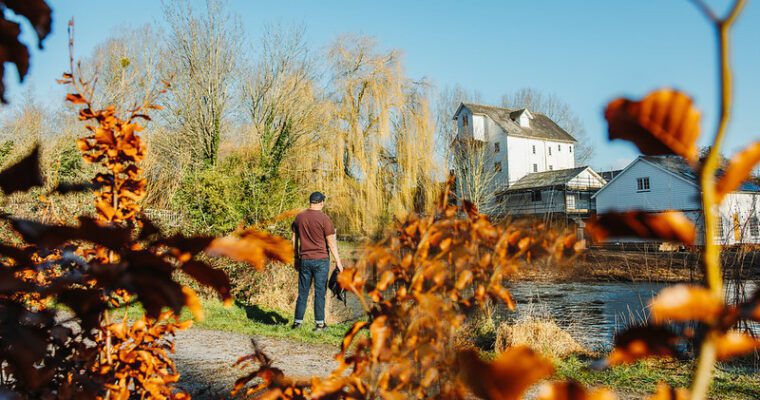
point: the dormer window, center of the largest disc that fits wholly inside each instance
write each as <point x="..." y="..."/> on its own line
<point x="522" y="117"/>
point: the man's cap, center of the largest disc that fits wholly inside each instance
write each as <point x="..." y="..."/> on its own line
<point x="316" y="197"/>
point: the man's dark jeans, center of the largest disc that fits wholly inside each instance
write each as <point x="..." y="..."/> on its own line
<point x="315" y="270"/>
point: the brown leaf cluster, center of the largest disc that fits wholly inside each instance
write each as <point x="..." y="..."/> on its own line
<point x="137" y="358"/>
<point x="664" y="122"/>
<point x="417" y="286"/>
<point x="96" y="265"/>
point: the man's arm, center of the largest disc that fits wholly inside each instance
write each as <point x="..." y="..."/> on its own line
<point x="332" y="243"/>
<point x="294" y="239"/>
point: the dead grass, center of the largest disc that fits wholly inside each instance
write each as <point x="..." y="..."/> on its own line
<point x="276" y="288"/>
<point x="541" y="334"/>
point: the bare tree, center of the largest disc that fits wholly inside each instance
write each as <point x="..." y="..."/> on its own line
<point x="202" y="53"/>
<point x="556" y="109"/>
<point x="475" y="172"/>
<point x="447" y="100"/>
<point x="126" y="68"/>
<point x="282" y="99"/>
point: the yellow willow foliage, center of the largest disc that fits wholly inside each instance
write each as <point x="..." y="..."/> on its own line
<point x="379" y="155"/>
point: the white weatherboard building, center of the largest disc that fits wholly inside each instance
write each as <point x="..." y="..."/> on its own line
<point x="661" y="183"/>
<point x="533" y="159"/>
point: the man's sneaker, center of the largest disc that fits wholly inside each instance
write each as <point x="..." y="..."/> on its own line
<point x="320" y="328"/>
<point x="295" y="325"/>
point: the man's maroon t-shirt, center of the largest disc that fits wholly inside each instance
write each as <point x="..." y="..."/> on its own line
<point x="312" y="228"/>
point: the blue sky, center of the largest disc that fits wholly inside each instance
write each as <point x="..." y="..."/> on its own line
<point x="586" y="52"/>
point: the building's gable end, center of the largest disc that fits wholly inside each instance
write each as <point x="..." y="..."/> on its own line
<point x="660" y="167"/>
<point x="646" y="187"/>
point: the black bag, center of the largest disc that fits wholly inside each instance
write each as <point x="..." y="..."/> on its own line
<point x="335" y="288"/>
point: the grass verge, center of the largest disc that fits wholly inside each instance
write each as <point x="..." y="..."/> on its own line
<point x="641" y="378"/>
<point x="253" y="320"/>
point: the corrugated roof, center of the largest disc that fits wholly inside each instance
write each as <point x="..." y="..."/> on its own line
<point x="538" y="180"/>
<point x="680" y="167"/>
<point x="541" y="126"/>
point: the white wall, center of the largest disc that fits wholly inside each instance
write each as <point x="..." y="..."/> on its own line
<point x="521" y="157"/>
<point x="462" y="131"/>
<point x="478" y="127"/>
<point x="667" y="192"/>
<point x="586" y="179"/>
<point x="735" y="212"/>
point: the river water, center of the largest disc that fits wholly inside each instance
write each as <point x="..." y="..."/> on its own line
<point x="591" y="312"/>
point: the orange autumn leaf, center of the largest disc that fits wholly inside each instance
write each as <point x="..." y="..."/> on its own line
<point x="508" y="376"/>
<point x="105" y="209"/>
<point x="571" y="390"/>
<point x="664" y="122"/>
<point x="254" y="247"/>
<point x="672" y="226"/>
<point x="386" y="279"/>
<point x="642" y="342"/>
<point x="379" y="333"/>
<point x="665" y="392"/>
<point x="193" y="303"/>
<point x="348" y="338"/>
<point x="733" y="344"/>
<point x="686" y="303"/>
<point x="76" y="98"/>
<point x="738" y="170"/>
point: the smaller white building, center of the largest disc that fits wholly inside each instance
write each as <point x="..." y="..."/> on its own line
<point x="566" y="191"/>
<point x="662" y="183"/>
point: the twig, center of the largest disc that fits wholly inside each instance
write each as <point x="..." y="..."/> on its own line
<point x="710" y="204"/>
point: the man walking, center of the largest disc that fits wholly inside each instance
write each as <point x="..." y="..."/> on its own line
<point x="313" y="239"/>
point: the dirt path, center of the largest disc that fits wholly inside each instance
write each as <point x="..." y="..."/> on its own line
<point x="205" y="358"/>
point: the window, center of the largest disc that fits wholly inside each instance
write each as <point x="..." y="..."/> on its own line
<point x="550" y="151"/>
<point x="497" y="166"/>
<point x="642" y="184"/>
<point x="551" y="168"/>
<point x="535" y="195"/>
<point x="535" y="167"/>
<point x="464" y="120"/>
<point x="754" y="227"/>
<point x="571" y="148"/>
<point x="496" y="147"/>
<point x="534" y="149"/>
<point x="719" y="228"/>
<point x="559" y="148"/>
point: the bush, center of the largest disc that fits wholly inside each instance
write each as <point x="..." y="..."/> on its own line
<point x="216" y="200"/>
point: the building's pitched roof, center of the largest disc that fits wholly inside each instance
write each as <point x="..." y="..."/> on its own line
<point x="679" y="166"/>
<point x="674" y="164"/>
<point x="541" y="126"/>
<point x="539" y="180"/>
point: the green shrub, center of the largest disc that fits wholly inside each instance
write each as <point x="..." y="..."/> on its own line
<point x="217" y="200"/>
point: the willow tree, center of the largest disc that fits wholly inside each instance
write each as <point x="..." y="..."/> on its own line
<point x="379" y="154"/>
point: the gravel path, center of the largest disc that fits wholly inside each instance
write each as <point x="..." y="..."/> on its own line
<point x="205" y="357"/>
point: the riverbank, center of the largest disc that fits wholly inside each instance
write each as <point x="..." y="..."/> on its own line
<point x="205" y="355"/>
<point x="639" y="265"/>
